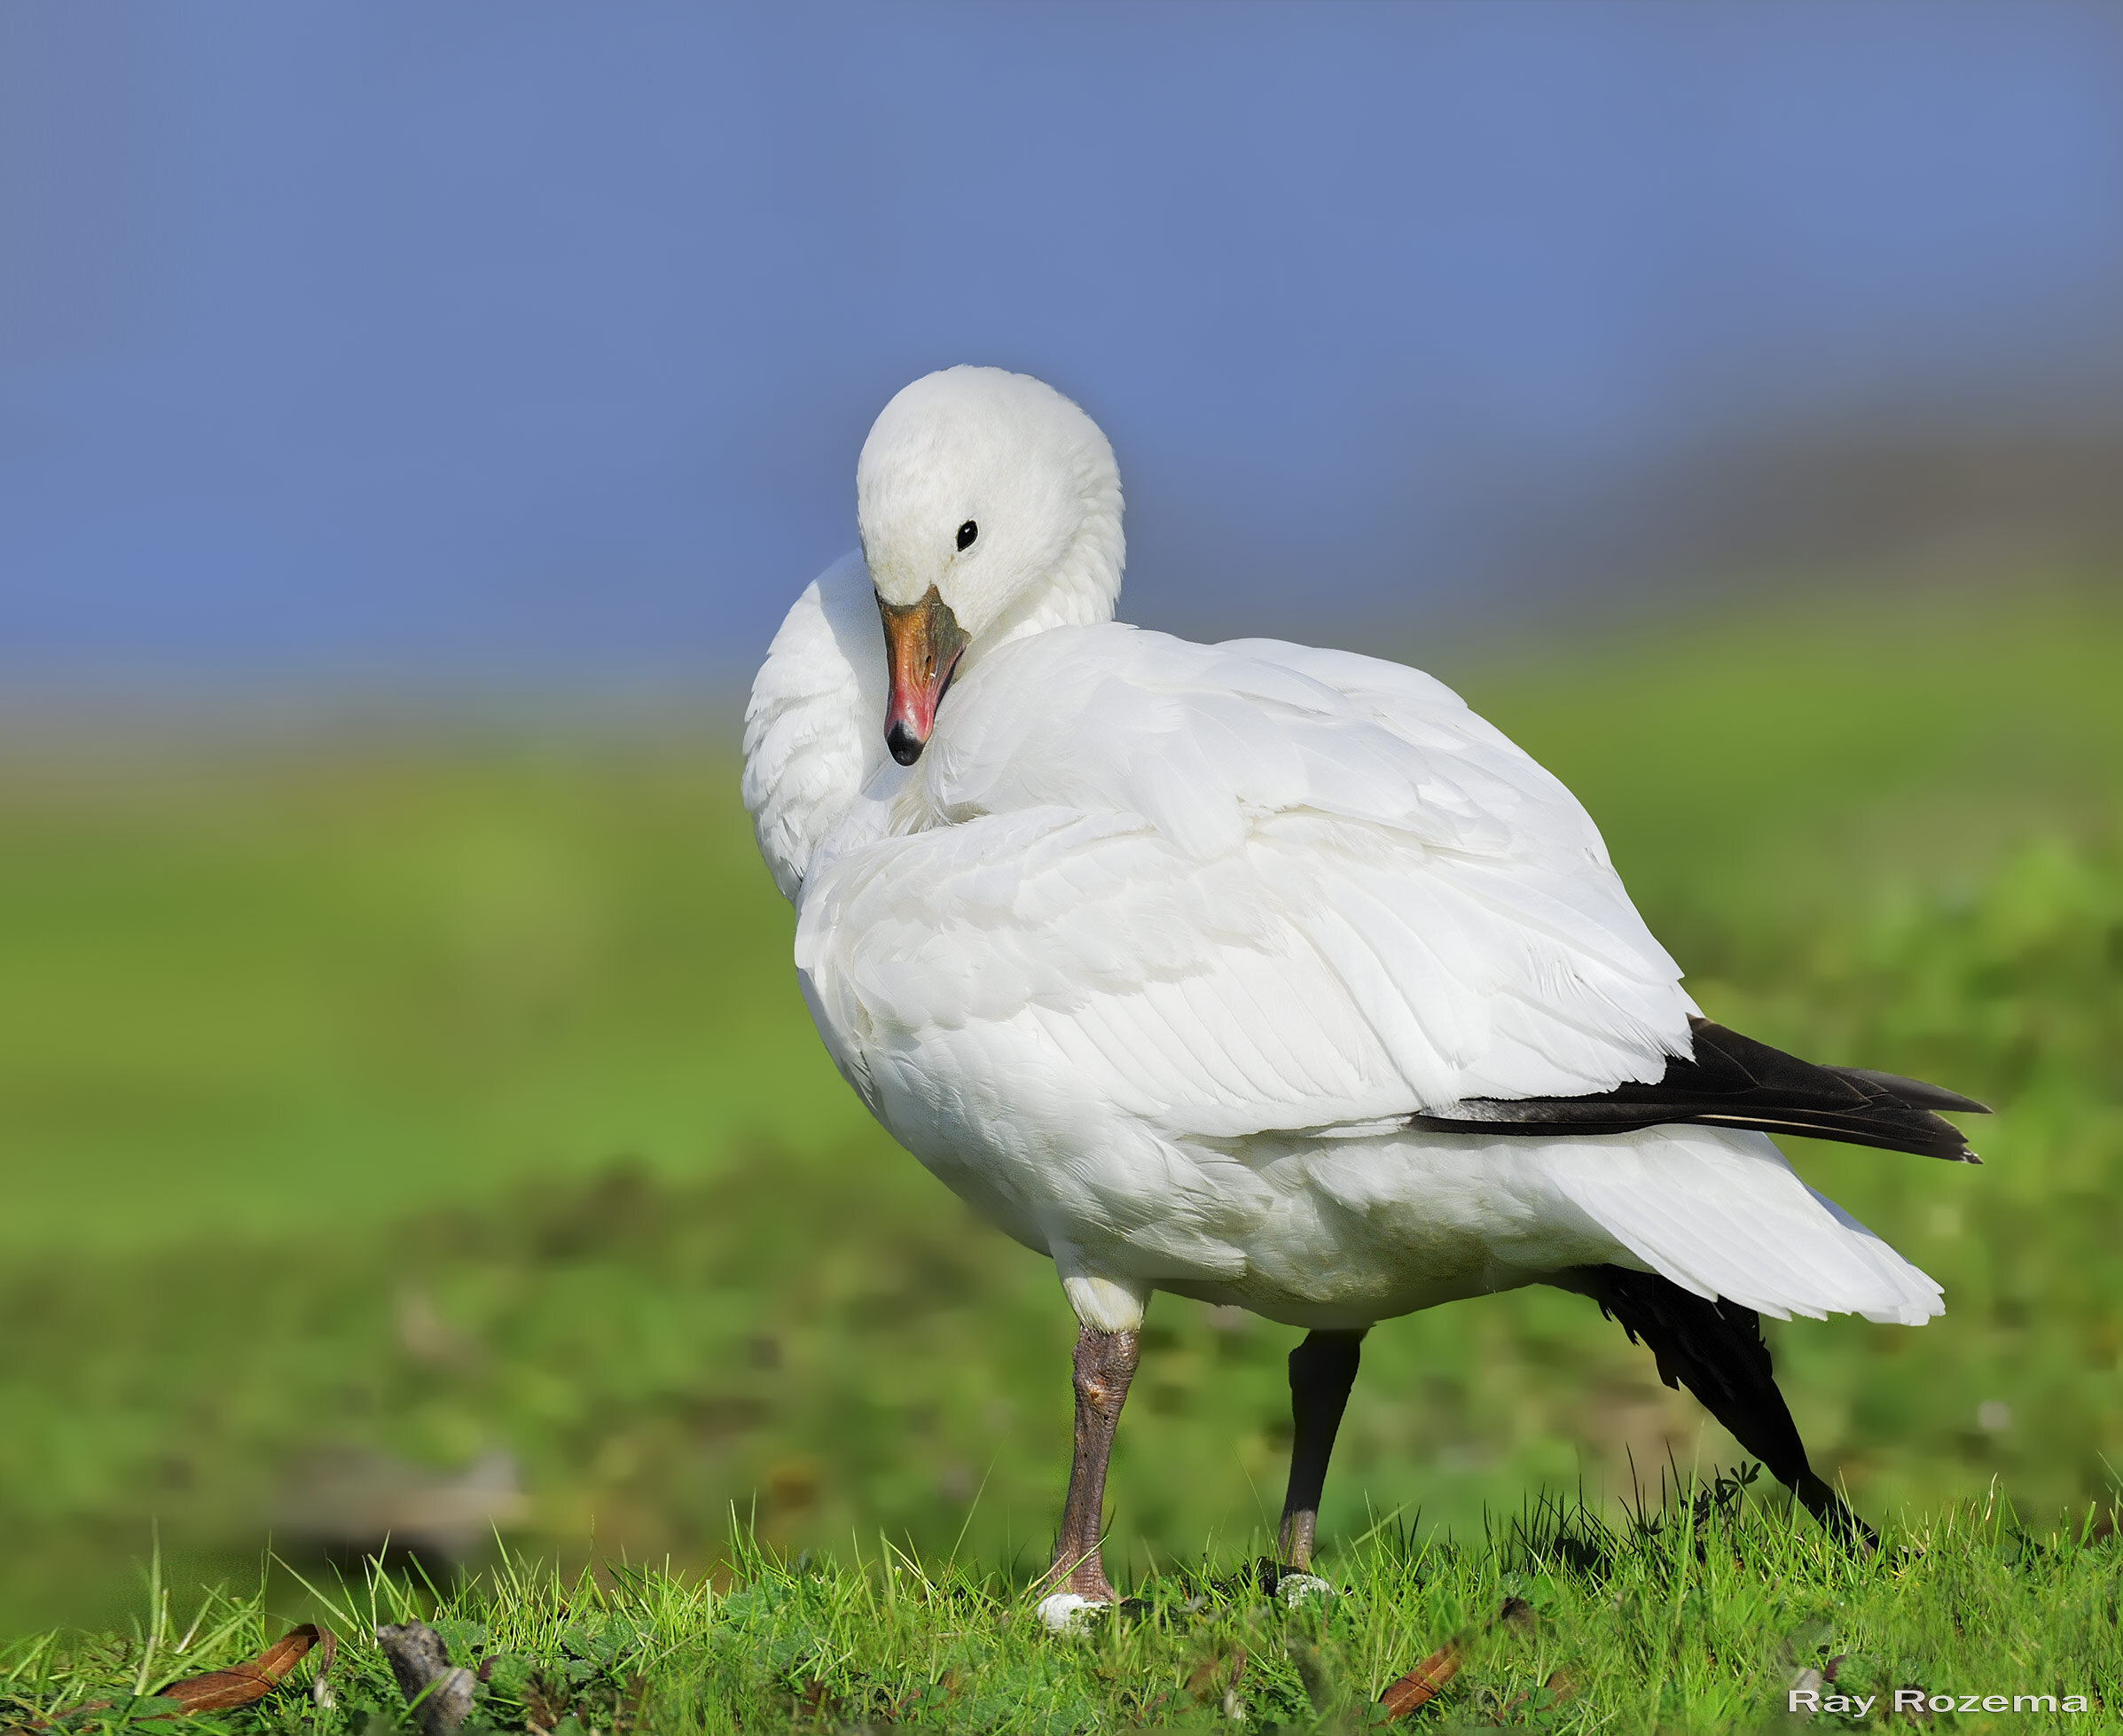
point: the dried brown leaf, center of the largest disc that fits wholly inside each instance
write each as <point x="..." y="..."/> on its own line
<point x="1419" y="1686"/>
<point x="220" y="1690"/>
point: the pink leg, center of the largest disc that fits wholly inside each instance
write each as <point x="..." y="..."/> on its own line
<point x="1105" y="1363"/>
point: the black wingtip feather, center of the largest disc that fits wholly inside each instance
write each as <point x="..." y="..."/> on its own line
<point x="1914" y="1092"/>
<point x="1733" y="1081"/>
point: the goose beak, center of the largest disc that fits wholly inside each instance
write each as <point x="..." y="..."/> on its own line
<point x="923" y="643"/>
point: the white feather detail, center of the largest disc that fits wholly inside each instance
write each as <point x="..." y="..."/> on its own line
<point x="1721" y="1213"/>
<point x="810" y="741"/>
<point x="1268" y="902"/>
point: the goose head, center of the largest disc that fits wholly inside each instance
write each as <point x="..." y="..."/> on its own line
<point x="989" y="507"/>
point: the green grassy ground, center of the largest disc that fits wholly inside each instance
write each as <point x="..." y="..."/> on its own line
<point x="1703" y="1619"/>
<point x="441" y="1102"/>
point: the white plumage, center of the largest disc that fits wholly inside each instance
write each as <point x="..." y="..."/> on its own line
<point x="1153" y="950"/>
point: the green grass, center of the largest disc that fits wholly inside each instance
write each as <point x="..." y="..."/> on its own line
<point x="236" y="980"/>
<point x="435" y="1102"/>
<point x="1700" y="1617"/>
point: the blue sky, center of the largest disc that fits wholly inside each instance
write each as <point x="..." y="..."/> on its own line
<point x="529" y="340"/>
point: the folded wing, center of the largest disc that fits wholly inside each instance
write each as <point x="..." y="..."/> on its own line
<point x="1238" y="888"/>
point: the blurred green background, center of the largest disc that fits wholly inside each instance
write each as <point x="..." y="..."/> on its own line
<point x="419" y="1131"/>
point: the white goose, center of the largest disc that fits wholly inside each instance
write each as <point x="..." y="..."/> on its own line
<point x="1258" y="974"/>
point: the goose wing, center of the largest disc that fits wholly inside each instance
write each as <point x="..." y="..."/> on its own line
<point x="1230" y="888"/>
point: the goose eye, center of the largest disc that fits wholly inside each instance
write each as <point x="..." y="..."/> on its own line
<point x="967" y="533"/>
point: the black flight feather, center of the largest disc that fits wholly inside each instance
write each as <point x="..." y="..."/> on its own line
<point x="1715" y="1349"/>
<point x="1735" y="1081"/>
